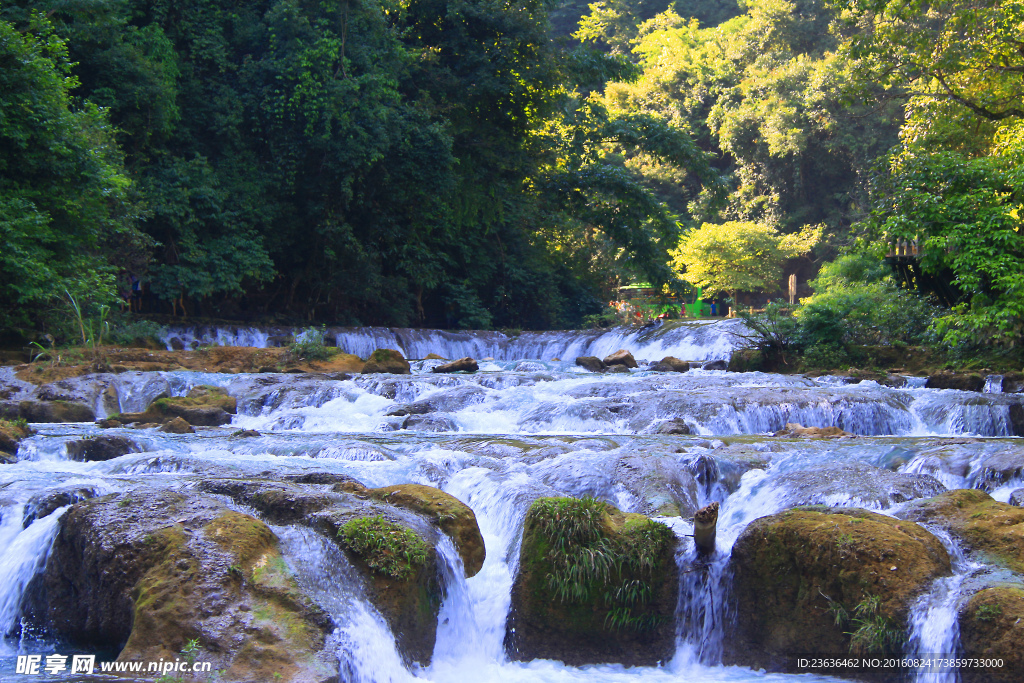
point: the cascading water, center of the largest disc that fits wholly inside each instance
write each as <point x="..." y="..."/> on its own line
<point x="688" y="340"/>
<point x="524" y="427"/>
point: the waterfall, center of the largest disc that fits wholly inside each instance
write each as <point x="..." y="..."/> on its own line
<point x="23" y="554"/>
<point x="688" y="340"/>
<point x="934" y="628"/>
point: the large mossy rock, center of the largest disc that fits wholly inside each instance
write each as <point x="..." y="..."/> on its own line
<point x="358" y="519"/>
<point x="146" y="572"/>
<point x="992" y="627"/>
<point x="454" y="517"/>
<point x="806" y="578"/>
<point x="994" y="530"/>
<point x="204" y="406"/>
<point x="386" y="361"/>
<point x="594" y="585"/>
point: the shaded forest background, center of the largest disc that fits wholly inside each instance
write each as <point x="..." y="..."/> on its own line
<point x="470" y="163"/>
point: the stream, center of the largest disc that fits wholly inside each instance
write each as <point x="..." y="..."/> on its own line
<point x="530" y="424"/>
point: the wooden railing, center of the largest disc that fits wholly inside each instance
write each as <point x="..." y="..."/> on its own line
<point x="903" y="247"/>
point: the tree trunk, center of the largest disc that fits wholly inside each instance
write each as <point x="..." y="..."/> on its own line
<point x="705" y="528"/>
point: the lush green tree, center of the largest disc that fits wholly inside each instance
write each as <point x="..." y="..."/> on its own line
<point x="962" y="51"/>
<point x="968" y="214"/>
<point x="739" y="255"/>
<point x="66" y="222"/>
<point x="767" y="92"/>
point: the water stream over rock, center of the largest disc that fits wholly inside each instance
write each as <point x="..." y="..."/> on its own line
<point x="503" y="437"/>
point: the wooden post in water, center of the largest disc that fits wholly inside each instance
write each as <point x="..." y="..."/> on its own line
<point x="705" y="528"/>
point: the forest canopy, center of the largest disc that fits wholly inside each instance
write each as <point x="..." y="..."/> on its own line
<point x="474" y="163"/>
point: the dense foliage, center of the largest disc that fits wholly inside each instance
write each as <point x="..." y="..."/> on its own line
<point x="476" y="163"/>
<point x="430" y="162"/>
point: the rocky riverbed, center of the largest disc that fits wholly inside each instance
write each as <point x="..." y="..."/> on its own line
<point x="528" y="520"/>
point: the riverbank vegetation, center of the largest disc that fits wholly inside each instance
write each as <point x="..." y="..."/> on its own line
<point x="476" y="164"/>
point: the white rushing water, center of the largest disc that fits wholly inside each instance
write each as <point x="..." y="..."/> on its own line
<point x="524" y="427"/>
<point x="688" y="340"/>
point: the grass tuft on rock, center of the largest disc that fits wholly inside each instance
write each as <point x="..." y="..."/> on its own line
<point x="588" y="563"/>
<point x="387" y="548"/>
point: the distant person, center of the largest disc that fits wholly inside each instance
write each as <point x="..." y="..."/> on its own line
<point x="714" y="309"/>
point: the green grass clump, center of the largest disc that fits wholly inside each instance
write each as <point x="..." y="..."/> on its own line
<point x="387" y="548"/>
<point x="873" y="633"/>
<point x="310" y="346"/>
<point x="587" y="563"/>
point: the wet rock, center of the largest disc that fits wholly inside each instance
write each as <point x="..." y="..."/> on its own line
<point x="246" y="433"/>
<point x="11" y="434"/>
<point x="466" y="364"/>
<point x="280" y="340"/>
<point x="47" y="411"/>
<point x="529" y="366"/>
<point x="670" y="364"/>
<point x="434" y="356"/>
<point x="618" y="368"/>
<point x="793" y="429"/>
<point x="430" y="423"/>
<point x="386" y="361"/>
<point x="394" y="549"/>
<point x="994" y="530"/>
<point x="992" y="627"/>
<point x="952" y="380"/>
<point x="660" y="485"/>
<point x="795" y="570"/>
<point x="1017" y="498"/>
<point x="43" y="504"/>
<point x="101" y="448"/>
<point x="676" y="426"/>
<point x="203" y="407"/>
<point x="144" y="573"/>
<point x="176" y="344"/>
<point x="408" y="597"/>
<point x="1013" y="383"/>
<point x="857" y="484"/>
<point x="277" y="502"/>
<point x="620" y="357"/>
<point x="453" y="516"/>
<point x="109" y="423"/>
<point x="715" y="365"/>
<point x="746" y="360"/>
<point x="592" y="363"/>
<point x="564" y="611"/>
<point x="177" y="426"/>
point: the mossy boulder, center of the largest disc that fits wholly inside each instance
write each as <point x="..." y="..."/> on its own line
<point x="386" y="361"/>
<point x="746" y="360"/>
<point x="994" y="530"/>
<point x="146" y="572"/>
<point x="806" y="578"/>
<point x="11" y="434"/>
<point x="992" y="627"/>
<point x="594" y="585"/>
<point x="453" y="516"/>
<point x="396" y="551"/>
<point x="407" y="594"/>
<point x="204" y="406"/>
